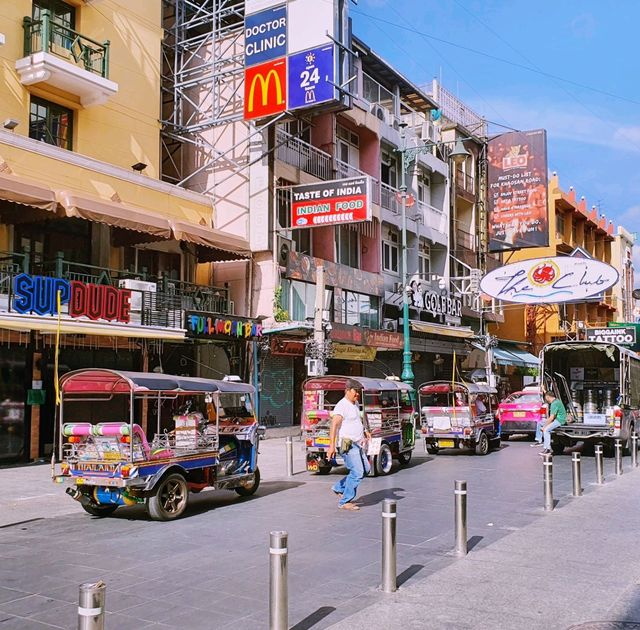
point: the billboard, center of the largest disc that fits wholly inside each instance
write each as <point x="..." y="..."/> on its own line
<point x="517" y="191"/>
<point x="290" y="59"/>
<point x="549" y="280"/>
<point x="331" y="203"/>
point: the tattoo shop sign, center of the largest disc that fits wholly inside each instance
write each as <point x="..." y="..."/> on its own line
<point x="623" y="336"/>
<point x="549" y="280"/>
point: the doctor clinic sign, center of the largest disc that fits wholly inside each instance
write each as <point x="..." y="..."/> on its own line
<point x="37" y="295"/>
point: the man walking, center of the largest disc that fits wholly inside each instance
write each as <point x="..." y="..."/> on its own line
<point x="556" y="418"/>
<point x="348" y="431"/>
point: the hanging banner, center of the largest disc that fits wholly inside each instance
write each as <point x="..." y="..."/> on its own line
<point x="517" y="191"/>
<point x="331" y="203"/>
<point x="549" y="280"/>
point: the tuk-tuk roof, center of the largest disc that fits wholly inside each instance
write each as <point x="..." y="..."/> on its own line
<point x="444" y="387"/>
<point x="103" y="381"/>
<point x="331" y="382"/>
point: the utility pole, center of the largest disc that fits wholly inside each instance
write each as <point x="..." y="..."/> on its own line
<point x="318" y="325"/>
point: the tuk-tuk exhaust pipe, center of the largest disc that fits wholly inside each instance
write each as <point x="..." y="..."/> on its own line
<point x="82" y="498"/>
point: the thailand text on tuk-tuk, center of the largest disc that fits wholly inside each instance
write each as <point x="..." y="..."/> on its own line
<point x="459" y="415"/>
<point x="387" y="412"/>
<point x="210" y="439"/>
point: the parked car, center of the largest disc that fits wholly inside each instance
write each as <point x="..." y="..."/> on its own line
<point x="520" y="413"/>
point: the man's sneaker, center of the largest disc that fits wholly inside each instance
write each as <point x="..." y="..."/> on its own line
<point x="536" y="444"/>
<point x="546" y="451"/>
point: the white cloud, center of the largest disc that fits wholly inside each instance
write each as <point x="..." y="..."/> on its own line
<point x="583" y="26"/>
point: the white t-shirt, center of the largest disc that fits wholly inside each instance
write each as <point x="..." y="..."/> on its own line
<point x="351" y="426"/>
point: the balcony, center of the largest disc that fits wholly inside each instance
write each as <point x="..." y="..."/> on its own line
<point x="435" y="222"/>
<point x="155" y="301"/>
<point x="302" y="155"/>
<point x="465" y="240"/>
<point x="465" y="182"/>
<point x="389" y="198"/>
<point x="62" y="58"/>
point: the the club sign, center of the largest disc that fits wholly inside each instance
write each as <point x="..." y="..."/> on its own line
<point x="549" y="280"/>
<point x="623" y="336"/>
<point x="331" y="203"/>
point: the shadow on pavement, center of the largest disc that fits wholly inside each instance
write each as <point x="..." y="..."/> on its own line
<point x="314" y="618"/>
<point x="378" y="496"/>
<point x="473" y="541"/>
<point x="408" y="573"/>
<point x="210" y="500"/>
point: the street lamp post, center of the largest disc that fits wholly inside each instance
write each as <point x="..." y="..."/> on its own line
<point x="407" y="156"/>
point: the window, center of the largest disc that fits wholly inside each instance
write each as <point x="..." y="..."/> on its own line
<point x="390" y="251"/>
<point x="348" y="146"/>
<point x="574" y="232"/>
<point x="50" y="123"/>
<point x="361" y="310"/>
<point x="61" y="14"/>
<point x="299" y="129"/>
<point x="423" y="187"/>
<point x="560" y="224"/>
<point x="424" y="260"/>
<point x="299" y="298"/>
<point x="347" y="246"/>
<point x="389" y="168"/>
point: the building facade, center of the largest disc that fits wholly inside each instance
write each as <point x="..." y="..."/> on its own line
<point x="137" y="262"/>
<point x="622" y="260"/>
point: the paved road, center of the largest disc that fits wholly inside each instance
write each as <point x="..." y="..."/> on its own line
<point x="210" y="569"/>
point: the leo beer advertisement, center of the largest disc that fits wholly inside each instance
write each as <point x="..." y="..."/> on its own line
<point x="517" y="181"/>
<point x="331" y="203"/>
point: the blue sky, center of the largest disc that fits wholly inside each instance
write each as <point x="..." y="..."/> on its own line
<point x="593" y="128"/>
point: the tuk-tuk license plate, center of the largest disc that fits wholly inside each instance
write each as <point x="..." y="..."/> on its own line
<point x="519" y="414"/>
<point x="446" y="443"/>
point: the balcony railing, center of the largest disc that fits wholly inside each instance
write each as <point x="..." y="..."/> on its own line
<point x="466" y="239"/>
<point x="389" y="198"/>
<point x="465" y="181"/>
<point x="344" y="170"/>
<point x="302" y="155"/>
<point x="47" y="35"/>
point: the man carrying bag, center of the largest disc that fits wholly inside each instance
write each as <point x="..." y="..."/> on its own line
<point x="347" y="429"/>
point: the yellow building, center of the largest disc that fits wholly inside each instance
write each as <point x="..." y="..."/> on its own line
<point x="82" y="207"/>
<point x="571" y="226"/>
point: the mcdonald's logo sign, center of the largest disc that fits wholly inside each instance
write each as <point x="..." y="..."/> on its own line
<point x="265" y="89"/>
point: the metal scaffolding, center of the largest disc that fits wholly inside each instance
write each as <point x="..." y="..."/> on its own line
<point x="202" y="79"/>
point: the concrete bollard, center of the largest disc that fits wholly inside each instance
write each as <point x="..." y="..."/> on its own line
<point x="618" y="447"/>
<point x="289" y="444"/>
<point x="91" y="602"/>
<point x="460" y="500"/>
<point x="389" y="552"/>
<point x="577" y="475"/>
<point x="278" y="581"/>
<point x="599" y="465"/>
<point x="634" y="450"/>
<point x="547" y="466"/>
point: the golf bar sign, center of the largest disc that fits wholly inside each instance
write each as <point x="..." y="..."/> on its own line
<point x="549" y="280"/>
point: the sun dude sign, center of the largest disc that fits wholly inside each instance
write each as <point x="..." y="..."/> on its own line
<point x="281" y="71"/>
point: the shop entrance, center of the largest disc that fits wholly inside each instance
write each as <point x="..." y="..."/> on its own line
<point x="13" y="418"/>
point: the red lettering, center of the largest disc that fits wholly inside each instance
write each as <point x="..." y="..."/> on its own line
<point x="210" y="326"/>
<point x="220" y="326"/>
<point x="124" y="308"/>
<point x="110" y="306"/>
<point x="95" y="294"/>
<point x="78" y="303"/>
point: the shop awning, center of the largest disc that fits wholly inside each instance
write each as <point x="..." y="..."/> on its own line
<point x="214" y="245"/>
<point x="440" y="329"/>
<point x="119" y="215"/>
<point x="290" y="327"/>
<point x="514" y="356"/>
<point x="27" y="193"/>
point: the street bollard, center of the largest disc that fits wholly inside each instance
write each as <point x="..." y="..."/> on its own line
<point x="547" y="463"/>
<point x="278" y="587"/>
<point x="460" y="499"/>
<point x="577" y="475"/>
<point x="618" y="446"/>
<point x="91" y="606"/>
<point x="289" y="444"/>
<point x="389" y="564"/>
<point x="634" y="450"/>
<point x="599" y="465"/>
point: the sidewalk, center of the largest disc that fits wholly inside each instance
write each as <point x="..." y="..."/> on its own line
<point x="579" y="564"/>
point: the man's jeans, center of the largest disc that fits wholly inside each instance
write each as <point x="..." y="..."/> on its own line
<point x="358" y="464"/>
<point x="547" y="433"/>
<point x="539" y="431"/>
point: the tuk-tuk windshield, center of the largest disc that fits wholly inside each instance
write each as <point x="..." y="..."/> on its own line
<point x="235" y="406"/>
<point x="443" y="399"/>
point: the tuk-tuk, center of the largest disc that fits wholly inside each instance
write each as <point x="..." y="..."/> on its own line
<point x="459" y="415"/>
<point x="210" y="439"/>
<point x="387" y="412"/>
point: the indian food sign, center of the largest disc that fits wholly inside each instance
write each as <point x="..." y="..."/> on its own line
<point x="549" y="280"/>
<point x="517" y="190"/>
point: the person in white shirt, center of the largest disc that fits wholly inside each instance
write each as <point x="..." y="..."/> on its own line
<point x="347" y="429"/>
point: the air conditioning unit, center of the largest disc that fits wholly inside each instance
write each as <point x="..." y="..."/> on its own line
<point x="137" y="288"/>
<point x="285" y="247"/>
<point x="381" y="113"/>
<point x="390" y="324"/>
<point x="314" y="367"/>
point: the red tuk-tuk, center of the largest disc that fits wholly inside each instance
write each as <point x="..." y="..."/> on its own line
<point x="387" y="411"/>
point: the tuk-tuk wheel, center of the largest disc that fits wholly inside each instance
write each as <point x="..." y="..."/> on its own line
<point x="482" y="445"/>
<point x="383" y="460"/>
<point x="432" y="450"/>
<point x="323" y="470"/>
<point x="169" y="500"/>
<point x="405" y="458"/>
<point x="99" y="510"/>
<point x="557" y="448"/>
<point x="248" y="490"/>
